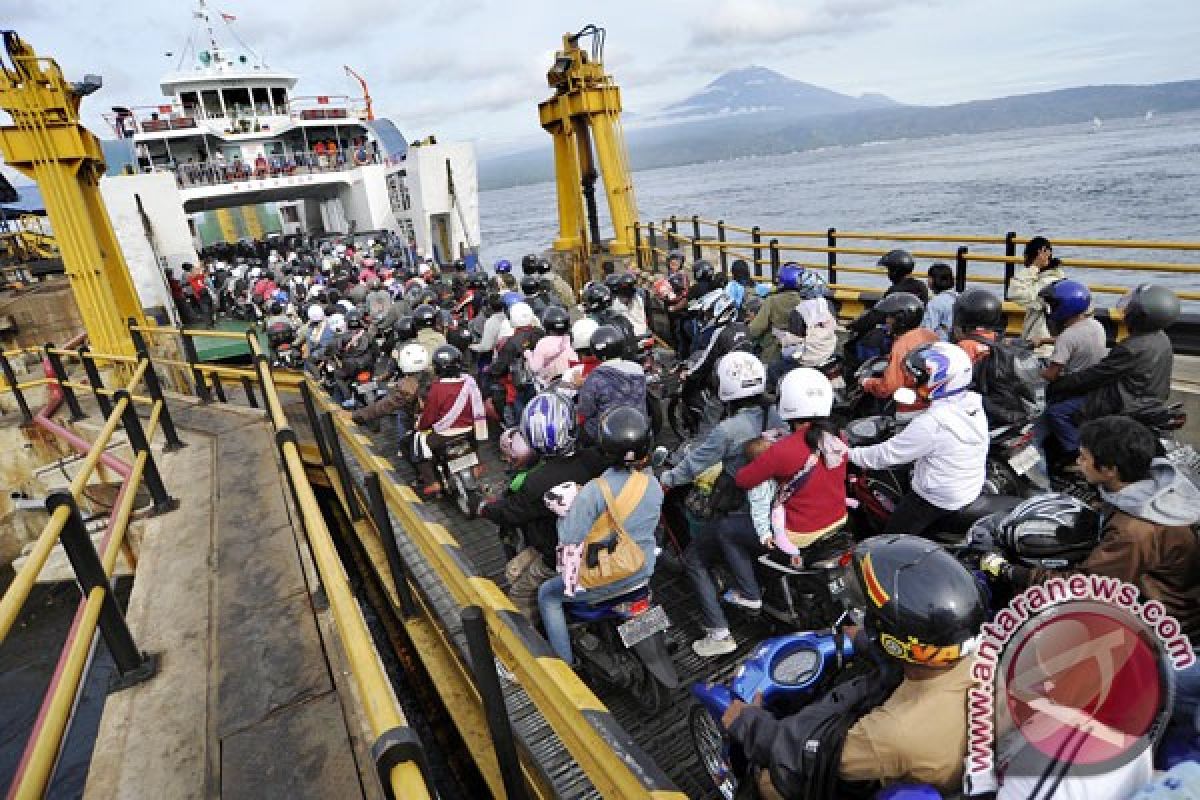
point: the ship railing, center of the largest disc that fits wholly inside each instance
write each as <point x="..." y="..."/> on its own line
<point x="980" y="259"/>
<point x="295" y="164"/>
<point x="329" y="108"/>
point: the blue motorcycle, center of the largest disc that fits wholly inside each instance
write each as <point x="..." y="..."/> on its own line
<point x="621" y="642"/>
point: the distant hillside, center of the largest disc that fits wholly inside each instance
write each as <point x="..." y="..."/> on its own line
<point x="776" y="130"/>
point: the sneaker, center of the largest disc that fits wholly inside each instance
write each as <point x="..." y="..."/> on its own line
<point x="735" y="598"/>
<point x="431" y="490"/>
<point x="710" y="646"/>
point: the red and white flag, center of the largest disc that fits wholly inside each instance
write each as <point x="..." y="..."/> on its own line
<point x="228" y="17"/>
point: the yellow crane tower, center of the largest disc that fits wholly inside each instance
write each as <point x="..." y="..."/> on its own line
<point x="584" y="117"/>
<point x="47" y="143"/>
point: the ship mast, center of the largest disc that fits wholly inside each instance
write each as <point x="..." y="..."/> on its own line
<point x="213" y="48"/>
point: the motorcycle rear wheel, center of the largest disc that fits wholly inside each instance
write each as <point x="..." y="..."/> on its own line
<point x="709" y="744"/>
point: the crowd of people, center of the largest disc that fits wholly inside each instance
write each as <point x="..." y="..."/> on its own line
<point x="564" y="376"/>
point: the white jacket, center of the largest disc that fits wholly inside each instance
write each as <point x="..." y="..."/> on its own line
<point x="948" y="442"/>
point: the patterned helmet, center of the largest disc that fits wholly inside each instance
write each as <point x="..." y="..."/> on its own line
<point x="548" y="424"/>
<point x="940" y="369"/>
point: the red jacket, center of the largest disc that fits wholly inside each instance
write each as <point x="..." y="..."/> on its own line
<point x="439" y="401"/>
<point x="819" y="502"/>
<point x="199" y="285"/>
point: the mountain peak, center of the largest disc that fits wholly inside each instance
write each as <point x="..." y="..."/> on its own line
<point x="756" y="88"/>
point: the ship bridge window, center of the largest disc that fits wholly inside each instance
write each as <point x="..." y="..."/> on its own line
<point x="189" y="101"/>
<point x="212" y="103"/>
<point x="237" y="99"/>
<point x="279" y="100"/>
<point x="262" y="102"/>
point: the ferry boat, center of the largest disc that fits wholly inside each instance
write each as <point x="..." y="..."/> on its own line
<point x="233" y="152"/>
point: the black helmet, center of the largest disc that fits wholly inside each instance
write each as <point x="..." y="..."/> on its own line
<point x="625" y="435"/>
<point x="477" y="280"/>
<point x="740" y="270"/>
<point x="556" y="320"/>
<point x="1149" y="308"/>
<point x="425" y="316"/>
<point x="447" y="361"/>
<point x="702" y="270"/>
<point x="530" y="285"/>
<point x="460" y="266"/>
<point x="596" y="297"/>
<point x="906" y="310"/>
<point x="527" y="263"/>
<point x="1050" y="530"/>
<point x="898" y="264"/>
<point x="625" y="284"/>
<point x="922" y="606"/>
<point x="354" y="318"/>
<point x="678" y="281"/>
<point x="608" y="342"/>
<point x="405" y="328"/>
<point x="542" y="266"/>
<point x="978" y="308"/>
<point x="495" y="302"/>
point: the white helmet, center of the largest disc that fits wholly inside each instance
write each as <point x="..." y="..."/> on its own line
<point x="316" y="313"/>
<point x="716" y="306"/>
<point x="521" y="315"/>
<point x="581" y="333"/>
<point x="337" y="323"/>
<point x="413" y="358"/>
<point x="740" y="375"/>
<point x="559" y="498"/>
<point x="805" y="393"/>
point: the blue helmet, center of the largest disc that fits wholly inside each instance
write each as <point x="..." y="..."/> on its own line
<point x="1066" y="299"/>
<point x="811" y="285"/>
<point x="502" y="266"/>
<point x="789" y="276"/>
<point x="510" y="299"/>
<point x="548" y="424"/>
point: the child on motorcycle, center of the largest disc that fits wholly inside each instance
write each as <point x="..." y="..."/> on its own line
<point x="947" y="443"/>
<point x="924" y="610"/>
<point x="552" y="355"/>
<point x="625" y="440"/>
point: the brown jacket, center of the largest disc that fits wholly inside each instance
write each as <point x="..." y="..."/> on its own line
<point x="405" y="395"/>
<point x="1162" y="561"/>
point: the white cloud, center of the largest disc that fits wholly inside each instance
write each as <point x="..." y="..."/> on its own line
<point x="763" y="22"/>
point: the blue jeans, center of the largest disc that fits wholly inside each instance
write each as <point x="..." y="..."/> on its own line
<point x="739" y="542"/>
<point x="1058" y="421"/>
<point x="704" y="552"/>
<point x="1187" y="697"/>
<point x="403" y="423"/>
<point x="554" y="618"/>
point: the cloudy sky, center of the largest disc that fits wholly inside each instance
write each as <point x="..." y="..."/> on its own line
<point x="475" y="69"/>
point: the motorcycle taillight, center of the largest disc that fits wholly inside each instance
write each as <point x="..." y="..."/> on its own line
<point x="364" y="376"/>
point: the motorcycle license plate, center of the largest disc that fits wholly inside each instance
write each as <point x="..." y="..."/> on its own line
<point x="462" y="462"/>
<point x="643" y="626"/>
<point x="369" y="386"/>
<point x="1025" y="460"/>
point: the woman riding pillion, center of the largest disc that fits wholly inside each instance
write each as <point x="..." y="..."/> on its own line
<point x="742" y="380"/>
<point x="626" y="491"/>
<point x="453" y="407"/>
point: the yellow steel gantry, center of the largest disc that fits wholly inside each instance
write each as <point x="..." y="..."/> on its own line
<point x="584" y="118"/>
<point x="47" y="143"/>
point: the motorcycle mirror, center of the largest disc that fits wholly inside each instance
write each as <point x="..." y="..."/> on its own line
<point x="905" y="396"/>
<point x="659" y="456"/>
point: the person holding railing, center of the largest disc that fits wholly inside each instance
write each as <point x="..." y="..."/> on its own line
<point x="1041" y="270"/>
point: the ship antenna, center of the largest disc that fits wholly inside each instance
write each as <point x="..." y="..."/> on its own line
<point x="214" y="48"/>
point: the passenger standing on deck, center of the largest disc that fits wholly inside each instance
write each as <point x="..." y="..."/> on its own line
<point x="939" y="313"/>
<point x="1041" y="270"/>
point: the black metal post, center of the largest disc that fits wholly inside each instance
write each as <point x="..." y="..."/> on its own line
<point x="154" y="387"/>
<point x="139" y="341"/>
<point x="775" y="258"/>
<point x="68" y="393"/>
<point x="483" y="666"/>
<point x="697" y="252"/>
<point x="133" y="665"/>
<point x="724" y="253"/>
<point x="1010" y="251"/>
<point x="248" y="388"/>
<point x="11" y="379"/>
<point x="218" y="387"/>
<point x="960" y="269"/>
<point x="383" y="524"/>
<point x="93" y="376"/>
<point x="163" y="502"/>
<point x="637" y="245"/>
<point x="653" y="239"/>
<point x="756" y="237"/>
<point x="831" y="257"/>
<point x="339" y="463"/>
<point x="189" y="353"/>
<point x="310" y="411"/>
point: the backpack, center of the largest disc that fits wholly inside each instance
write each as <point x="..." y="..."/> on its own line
<point x="1009" y="381"/>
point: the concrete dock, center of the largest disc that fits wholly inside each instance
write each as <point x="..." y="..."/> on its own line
<point x="247" y="702"/>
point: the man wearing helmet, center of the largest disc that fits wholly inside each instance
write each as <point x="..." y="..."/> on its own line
<point x="558" y="287"/>
<point x="428" y="336"/>
<point x="625" y="440"/>
<point x="947" y="443"/>
<point x="902" y="313"/>
<point x="867" y="338"/>
<point x="720" y="334"/>
<point x="510" y="365"/>
<point x="615" y="381"/>
<point x="772" y="320"/>
<point x="628" y="300"/>
<point x="923" y="612"/>
<point x="1138" y="368"/>
<point x="405" y="395"/>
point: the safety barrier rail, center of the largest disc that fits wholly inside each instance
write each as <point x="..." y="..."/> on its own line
<point x="93" y="570"/>
<point x="614" y="764"/>
<point x="766" y="250"/>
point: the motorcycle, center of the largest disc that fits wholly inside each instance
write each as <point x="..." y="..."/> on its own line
<point x="280" y="336"/>
<point x="621" y="642"/>
<point x="1014" y="463"/>
<point x="807" y="590"/>
<point x="457" y="465"/>
<point x="784" y="674"/>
